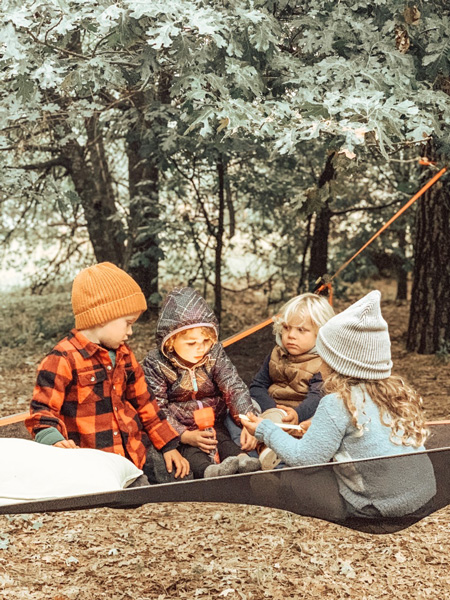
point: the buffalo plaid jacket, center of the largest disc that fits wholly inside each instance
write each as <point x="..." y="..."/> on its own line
<point x="95" y="404"/>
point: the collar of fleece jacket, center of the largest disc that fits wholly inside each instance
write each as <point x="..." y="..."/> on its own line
<point x="182" y="309"/>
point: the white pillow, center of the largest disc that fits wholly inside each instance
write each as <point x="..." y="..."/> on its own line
<point x="32" y="471"/>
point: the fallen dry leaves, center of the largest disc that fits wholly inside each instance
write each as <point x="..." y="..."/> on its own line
<point x="213" y="551"/>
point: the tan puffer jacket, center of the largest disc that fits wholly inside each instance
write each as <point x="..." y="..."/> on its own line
<point x="291" y="376"/>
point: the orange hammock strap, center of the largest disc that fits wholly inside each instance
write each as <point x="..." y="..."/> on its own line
<point x="17" y="418"/>
<point x="328" y="284"/>
<point x="411" y="201"/>
<point x="325" y="286"/>
<point x="243" y="334"/>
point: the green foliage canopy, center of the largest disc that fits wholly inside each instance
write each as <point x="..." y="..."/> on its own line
<point x="267" y="69"/>
<point x="196" y="78"/>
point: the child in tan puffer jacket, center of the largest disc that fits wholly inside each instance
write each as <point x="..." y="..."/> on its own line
<point x="290" y="376"/>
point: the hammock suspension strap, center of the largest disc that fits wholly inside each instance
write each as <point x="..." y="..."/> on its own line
<point x="423" y="161"/>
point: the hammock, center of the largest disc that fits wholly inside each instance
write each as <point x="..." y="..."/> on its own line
<point x="307" y="491"/>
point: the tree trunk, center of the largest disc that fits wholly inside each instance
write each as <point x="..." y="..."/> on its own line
<point x="301" y="279"/>
<point x="400" y="270"/>
<point x="221" y="168"/>
<point x="143" y="251"/>
<point x="319" y="246"/>
<point x="143" y="175"/>
<point x="91" y="176"/>
<point x="429" y="319"/>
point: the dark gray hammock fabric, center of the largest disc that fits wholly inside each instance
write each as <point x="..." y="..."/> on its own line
<point x="307" y="491"/>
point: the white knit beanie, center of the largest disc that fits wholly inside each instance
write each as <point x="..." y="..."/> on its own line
<point x="356" y="341"/>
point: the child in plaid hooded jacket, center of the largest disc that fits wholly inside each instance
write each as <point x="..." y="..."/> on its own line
<point x="189" y="370"/>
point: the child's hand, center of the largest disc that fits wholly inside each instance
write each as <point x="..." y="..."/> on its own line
<point x="248" y="441"/>
<point x="251" y="423"/>
<point x="299" y="433"/>
<point x="291" y="417"/>
<point x="205" y="440"/>
<point x="305" y="425"/>
<point x="173" y="458"/>
<point x="66" y="444"/>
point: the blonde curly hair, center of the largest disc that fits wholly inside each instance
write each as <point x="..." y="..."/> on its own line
<point x="401" y="407"/>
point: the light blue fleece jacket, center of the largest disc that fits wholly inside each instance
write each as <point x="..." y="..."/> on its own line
<point x="395" y="487"/>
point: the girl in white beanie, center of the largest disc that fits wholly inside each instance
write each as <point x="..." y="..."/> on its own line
<point x="366" y="413"/>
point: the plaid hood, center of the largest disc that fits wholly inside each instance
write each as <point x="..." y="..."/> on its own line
<point x="183" y="308"/>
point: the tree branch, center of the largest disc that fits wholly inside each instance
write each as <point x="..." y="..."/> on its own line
<point x="60" y="161"/>
<point x="363" y="208"/>
<point x="22" y="215"/>
<point x="31" y="147"/>
<point x="200" y="202"/>
<point x="57" y="48"/>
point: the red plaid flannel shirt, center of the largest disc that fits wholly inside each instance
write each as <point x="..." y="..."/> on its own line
<point x="79" y="392"/>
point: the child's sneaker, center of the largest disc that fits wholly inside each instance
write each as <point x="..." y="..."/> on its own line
<point x="229" y="466"/>
<point x="248" y="464"/>
<point x="268" y="459"/>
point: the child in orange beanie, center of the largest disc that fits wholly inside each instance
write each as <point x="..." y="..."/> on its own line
<point x="90" y="390"/>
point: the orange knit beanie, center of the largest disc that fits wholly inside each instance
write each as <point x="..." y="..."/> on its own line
<point x="102" y="293"/>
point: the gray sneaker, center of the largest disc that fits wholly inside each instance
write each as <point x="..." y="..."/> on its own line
<point x="248" y="464"/>
<point x="229" y="466"/>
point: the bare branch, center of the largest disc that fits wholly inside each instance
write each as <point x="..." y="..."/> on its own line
<point x="364" y="208"/>
<point x="32" y="147"/>
<point x="60" y="161"/>
<point x="230" y="205"/>
<point x="53" y="27"/>
<point x="101" y="40"/>
<point x="55" y="265"/>
<point x="57" y="48"/>
<point x="200" y="202"/>
<point x="22" y="216"/>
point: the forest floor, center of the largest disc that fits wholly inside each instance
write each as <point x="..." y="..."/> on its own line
<point x="211" y="551"/>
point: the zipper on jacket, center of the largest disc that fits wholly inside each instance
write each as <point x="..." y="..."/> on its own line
<point x="194" y="383"/>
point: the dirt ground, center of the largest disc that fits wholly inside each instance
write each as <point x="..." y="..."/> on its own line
<point x="210" y="551"/>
